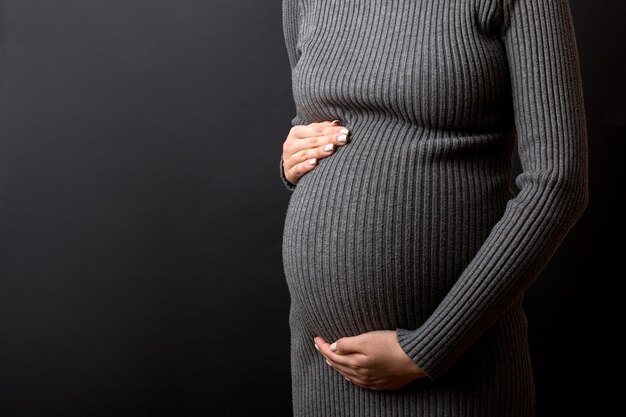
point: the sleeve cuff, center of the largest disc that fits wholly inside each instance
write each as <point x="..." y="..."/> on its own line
<point x="417" y="350"/>
<point x="286" y="182"/>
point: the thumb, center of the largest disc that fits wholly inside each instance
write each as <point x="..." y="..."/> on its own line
<point x="346" y="345"/>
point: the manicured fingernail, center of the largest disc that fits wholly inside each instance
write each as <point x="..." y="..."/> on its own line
<point x="333" y="347"/>
<point x="344" y="130"/>
<point x="335" y="121"/>
<point x="312" y="161"/>
<point x="347" y="379"/>
<point x="316" y="347"/>
<point x="342" y="138"/>
<point x="329" y="147"/>
<point x="328" y="362"/>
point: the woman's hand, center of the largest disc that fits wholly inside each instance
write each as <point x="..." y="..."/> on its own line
<point x="306" y="144"/>
<point x="372" y="360"/>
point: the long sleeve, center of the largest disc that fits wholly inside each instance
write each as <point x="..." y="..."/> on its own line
<point x="550" y="127"/>
<point x="290" y="16"/>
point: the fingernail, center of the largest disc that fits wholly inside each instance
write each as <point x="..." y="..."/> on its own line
<point x="333" y="347"/>
<point x="329" y="147"/>
<point x="344" y="130"/>
<point x="328" y="362"/>
<point x="342" y="138"/>
<point x="312" y="161"/>
<point x="335" y="121"/>
<point x="316" y="347"/>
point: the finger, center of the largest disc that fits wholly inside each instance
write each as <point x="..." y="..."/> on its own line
<point x="319" y="152"/>
<point x="347" y="345"/>
<point x="357" y="381"/>
<point x="327" y="149"/>
<point x="352" y="375"/>
<point x="324" y="348"/>
<point x="307" y="139"/>
<point x="316" y="130"/>
<point x="306" y="155"/>
<point x="341" y="359"/>
<point x="337" y="136"/>
<point x="300" y="169"/>
<point x="344" y="370"/>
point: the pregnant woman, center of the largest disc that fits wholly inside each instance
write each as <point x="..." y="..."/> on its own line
<point x="406" y="250"/>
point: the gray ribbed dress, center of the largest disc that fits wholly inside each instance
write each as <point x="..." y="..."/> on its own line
<point x="413" y="224"/>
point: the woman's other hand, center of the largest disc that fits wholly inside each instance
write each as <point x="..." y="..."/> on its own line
<point x="306" y="144"/>
<point x="372" y="360"/>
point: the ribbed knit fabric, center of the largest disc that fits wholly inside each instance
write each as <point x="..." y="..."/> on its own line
<point x="413" y="225"/>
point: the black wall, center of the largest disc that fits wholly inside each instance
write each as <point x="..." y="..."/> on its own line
<point x="141" y="212"/>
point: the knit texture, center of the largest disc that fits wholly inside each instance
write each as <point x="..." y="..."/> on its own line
<point x="413" y="225"/>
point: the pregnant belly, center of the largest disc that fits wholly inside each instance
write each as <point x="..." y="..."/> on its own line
<point x="360" y="251"/>
<point x="377" y="233"/>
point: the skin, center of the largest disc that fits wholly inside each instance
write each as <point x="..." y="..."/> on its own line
<point x="304" y="147"/>
<point x="372" y="360"/>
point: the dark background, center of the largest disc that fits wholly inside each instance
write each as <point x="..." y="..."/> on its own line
<point x="141" y="213"/>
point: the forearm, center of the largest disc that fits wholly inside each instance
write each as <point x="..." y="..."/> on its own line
<point x="549" y="116"/>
